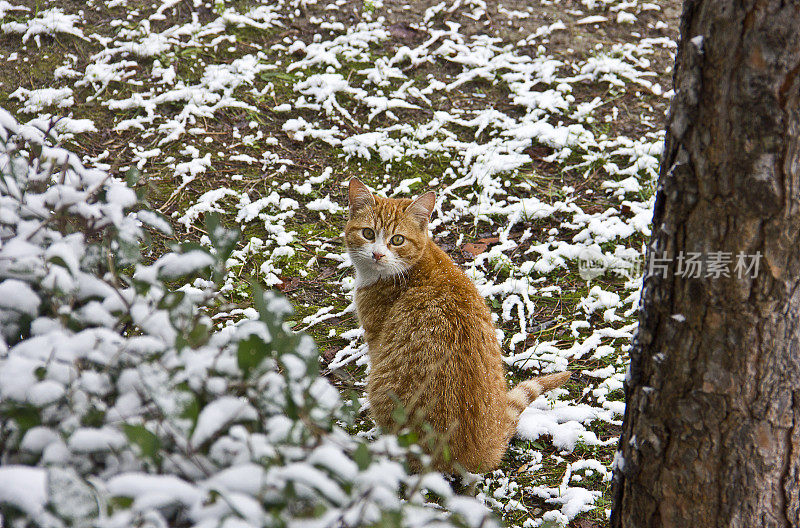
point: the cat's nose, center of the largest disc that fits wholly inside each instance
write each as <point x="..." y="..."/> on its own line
<point x="377" y="256"/>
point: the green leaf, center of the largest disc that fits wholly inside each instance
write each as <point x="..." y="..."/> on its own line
<point x="446" y="453"/>
<point x="26" y="416"/>
<point x="119" y="503"/>
<point x="58" y="261"/>
<point x="258" y="300"/>
<point x="292" y="411"/>
<point x="391" y="519"/>
<point x="34" y="148"/>
<point x="267" y="75"/>
<point x="407" y="439"/>
<point x="132" y="176"/>
<point x="94" y="417"/>
<point x="192" y="410"/>
<point x="362" y="457"/>
<point x="148" y="442"/>
<point x="185" y="247"/>
<point x="399" y="414"/>
<point x="252" y="351"/>
<point x="171" y="300"/>
<point x="222" y="239"/>
<point x="199" y="335"/>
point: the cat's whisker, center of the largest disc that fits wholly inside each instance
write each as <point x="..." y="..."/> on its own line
<point x="404" y="275"/>
<point x="401" y="273"/>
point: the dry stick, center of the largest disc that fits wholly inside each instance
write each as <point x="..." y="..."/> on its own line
<point x="192" y="226"/>
<point x="171" y="198"/>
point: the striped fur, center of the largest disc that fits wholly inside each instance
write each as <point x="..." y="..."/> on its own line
<point x="527" y="391"/>
<point x="432" y="344"/>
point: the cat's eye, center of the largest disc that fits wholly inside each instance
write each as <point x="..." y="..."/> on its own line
<point x="397" y="240"/>
<point x="368" y="233"/>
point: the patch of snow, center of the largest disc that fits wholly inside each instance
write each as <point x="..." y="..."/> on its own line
<point x="219" y="414"/>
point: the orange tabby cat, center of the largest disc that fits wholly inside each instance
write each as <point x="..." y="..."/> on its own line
<point x="432" y="343"/>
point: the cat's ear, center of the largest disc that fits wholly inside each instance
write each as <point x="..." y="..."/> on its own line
<point x="359" y="195"/>
<point x="421" y="208"/>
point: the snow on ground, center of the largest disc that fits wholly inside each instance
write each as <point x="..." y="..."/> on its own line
<point x="538" y="124"/>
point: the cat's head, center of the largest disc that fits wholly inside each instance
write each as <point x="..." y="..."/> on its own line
<point x="385" y="236"/>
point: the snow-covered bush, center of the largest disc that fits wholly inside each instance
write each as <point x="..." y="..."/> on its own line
<point x="131" y="395"/>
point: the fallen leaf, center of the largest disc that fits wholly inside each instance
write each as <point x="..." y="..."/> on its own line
<point x="539" y="151"/>
<point x="328" y="354"/>
<point x="288" y="284"/>
<point x="479" y="246"/>
<point x="474" y="248"/>
<point x="402" y="31"/>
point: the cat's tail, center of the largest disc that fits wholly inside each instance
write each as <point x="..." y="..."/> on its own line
<point x="523" y="394"/>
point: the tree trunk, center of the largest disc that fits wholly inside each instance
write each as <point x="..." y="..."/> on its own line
<point x="711" y="436"/>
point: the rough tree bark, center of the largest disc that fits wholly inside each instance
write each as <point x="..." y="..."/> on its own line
<point x="711" y="436"/>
